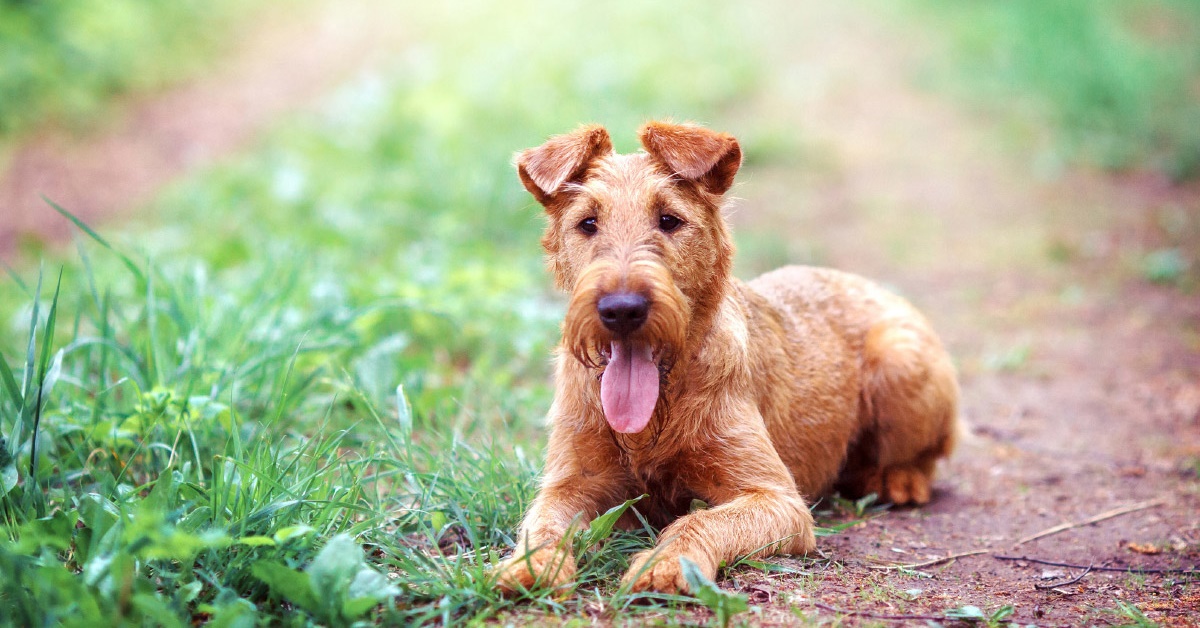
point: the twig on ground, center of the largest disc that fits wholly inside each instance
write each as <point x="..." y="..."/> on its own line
<point x="842" y="611"/>
<point x="1116" y="512"/>
<point x="932" y="561"/>
<point x="1189" y="571"/>
<point x="1055" y="585"/>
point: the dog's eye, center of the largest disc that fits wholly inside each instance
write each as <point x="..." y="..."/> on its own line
<point x="669" y="223"/>
<point x="587" y="225"/>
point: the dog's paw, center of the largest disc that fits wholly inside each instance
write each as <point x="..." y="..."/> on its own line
<point x="548" y="568"/>
<point x="907" y="485"/>
<point x="802" y="542"/>
<point x="662" y="573"/>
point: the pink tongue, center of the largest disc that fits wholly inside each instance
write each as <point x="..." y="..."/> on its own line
<point x="629" y="388"/>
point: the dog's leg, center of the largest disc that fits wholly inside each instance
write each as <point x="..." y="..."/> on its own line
<point x="911" y="392"/>
<point x="757" y="510"/>
<point x="574" y="490"/>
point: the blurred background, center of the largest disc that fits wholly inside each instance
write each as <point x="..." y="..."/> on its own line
<point x="365" y="145"/>
<point x="288" y="209"/>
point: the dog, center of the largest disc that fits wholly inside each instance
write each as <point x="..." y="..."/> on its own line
<point x="677" y="381"/>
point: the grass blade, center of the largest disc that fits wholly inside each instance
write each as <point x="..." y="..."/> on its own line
<point x="95" y="236"/>
<point x="47" y="343"/>
<point x="15" y="277"/>
<point x="30" y="362"/>
<point x="10" y="384"/>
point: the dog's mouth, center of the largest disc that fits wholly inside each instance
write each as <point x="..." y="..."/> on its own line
<point x="629" y="387"/>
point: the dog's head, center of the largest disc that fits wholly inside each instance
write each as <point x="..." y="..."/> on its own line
<point x="640" y="243"/>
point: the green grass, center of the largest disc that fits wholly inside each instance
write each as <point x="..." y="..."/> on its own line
<point x="311" y="391"/>
<point x="64" y="61"/>
<point x="1115" y="80"/>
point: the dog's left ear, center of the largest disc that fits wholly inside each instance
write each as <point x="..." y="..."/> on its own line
<point x="695" y="153"/>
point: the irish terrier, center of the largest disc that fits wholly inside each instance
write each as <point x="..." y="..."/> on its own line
<point x="680" y="382"/>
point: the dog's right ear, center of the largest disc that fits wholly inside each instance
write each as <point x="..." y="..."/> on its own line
<point x="562" y="159"/>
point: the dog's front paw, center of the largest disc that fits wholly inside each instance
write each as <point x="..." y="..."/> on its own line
<point x="547" y="567"/>
<point x="662" y="573"/>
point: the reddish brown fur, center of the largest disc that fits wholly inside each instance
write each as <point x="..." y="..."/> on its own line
<point x="773" y="391"/>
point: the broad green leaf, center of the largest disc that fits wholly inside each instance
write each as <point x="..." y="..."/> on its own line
<point x="236" y="613"/>
<point x="294" y="586"/>
<point x="190" y="591"/>
<point x="602" y="526"/>
<point x="723" y="604"/>
<point x="370" y="583"/>
<point x="335" y="565"/>
<point x="368" y="590"/>
<point x="56" y="530"/>
<point x="98" y="513"/>
<point x="357" y="607"/>
<point x="156" y="610"/>
<point x="1002" y="613"/>
<point x="8" y="478"/>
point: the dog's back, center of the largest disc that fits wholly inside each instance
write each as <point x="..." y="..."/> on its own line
<point x="849" y="341"/>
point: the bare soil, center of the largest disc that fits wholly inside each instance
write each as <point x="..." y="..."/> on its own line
<point x="1081" y="381"/>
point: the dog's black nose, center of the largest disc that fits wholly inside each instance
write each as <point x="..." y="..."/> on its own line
<point x="623" y="312"/>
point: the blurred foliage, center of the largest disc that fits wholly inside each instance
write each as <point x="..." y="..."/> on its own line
<point x="1116" y="79"/>
<point x="319" y="342"/>
<point x="63" y="60"/>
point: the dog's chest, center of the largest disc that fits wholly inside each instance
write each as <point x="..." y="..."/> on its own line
<point x="667" y="494"/>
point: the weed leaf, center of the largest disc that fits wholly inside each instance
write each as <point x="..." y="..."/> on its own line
<point x="723" y="604"/>
<point x="966" y="613"/>
<point x="602" y="526"/>
<point x="337" y="576"/>
<point x="292" y="585"/>
<point x="768" y="567"/>
<point x="8" y="477"/>
<point x="367" y="590"/>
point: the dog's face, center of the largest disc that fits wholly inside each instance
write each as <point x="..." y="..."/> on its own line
<point x="639" y="242"/>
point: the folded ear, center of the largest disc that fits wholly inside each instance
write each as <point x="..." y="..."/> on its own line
<point x="561" y="160"/>
<point x="694" y="153"/>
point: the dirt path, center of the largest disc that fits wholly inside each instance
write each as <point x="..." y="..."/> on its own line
<point x="292" y="54"/>
<point x="1081" y="383"/>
